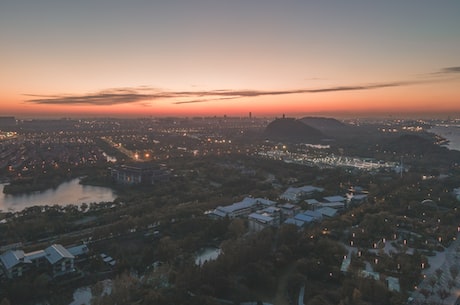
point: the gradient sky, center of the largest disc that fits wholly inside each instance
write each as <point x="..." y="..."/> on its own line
<point x="62" y="58"/>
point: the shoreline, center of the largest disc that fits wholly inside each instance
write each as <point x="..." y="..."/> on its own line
<point x="451" y="133"/>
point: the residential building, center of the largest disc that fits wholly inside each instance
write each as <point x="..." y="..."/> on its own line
<point x="60" y="259"/>
<point x="56" y="259"/>
<point x="14" y="263"/>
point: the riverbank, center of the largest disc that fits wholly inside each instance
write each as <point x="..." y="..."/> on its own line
<point x="30" y="185"/>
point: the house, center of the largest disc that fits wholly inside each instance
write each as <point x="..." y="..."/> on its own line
<point x="14" y="263"/>
<point x="56" y="259"/>
<point x="60" y="259"/>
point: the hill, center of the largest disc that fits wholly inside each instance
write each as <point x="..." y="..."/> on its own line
<point x="329" y="126"/>
<point x="292" y="129"/>
<point x="323" y="124"/>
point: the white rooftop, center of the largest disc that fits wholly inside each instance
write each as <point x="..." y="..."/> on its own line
<point x="55" y="253"/>
<point x="11" y="258"/>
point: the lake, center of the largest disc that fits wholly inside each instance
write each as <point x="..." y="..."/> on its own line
<point x="449" y="132"/>
<point x="70" y="192"/>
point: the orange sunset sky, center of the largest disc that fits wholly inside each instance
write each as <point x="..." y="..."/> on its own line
<point x="203" y="57"/>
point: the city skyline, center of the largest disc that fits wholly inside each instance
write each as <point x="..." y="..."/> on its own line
<point x="214" y="57"/>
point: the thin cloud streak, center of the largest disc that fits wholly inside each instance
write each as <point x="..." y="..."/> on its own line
<point x="451" y="70"/>
<point x="142" y="94"/>
<point x="103" y="98"/>
<point x="255" y="93"/>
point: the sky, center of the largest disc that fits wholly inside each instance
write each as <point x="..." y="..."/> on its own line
<point x="64" y="58"/>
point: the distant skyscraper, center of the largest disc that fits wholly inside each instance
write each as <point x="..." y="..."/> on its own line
<point x="250" y="115"/>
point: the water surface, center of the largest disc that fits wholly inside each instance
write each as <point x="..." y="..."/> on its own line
<point x="70" y="192"/>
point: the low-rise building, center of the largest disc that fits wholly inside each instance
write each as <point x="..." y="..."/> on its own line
<point x="14" y="263"/>
<point x="267" y="217"/>
<point x="242" y="208"/>
<point x="289" y="210"/>
<point x="327" y="212"/>
<point x="56" y="259"/>
<point x="60" y="259"/>
<point x="295" y="194"/>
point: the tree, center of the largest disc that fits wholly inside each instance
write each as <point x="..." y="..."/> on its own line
<point x="432" y="282"/>
<point x="454" y="271"/>
<point x="443" y="294"/>
<point x="425" y="292"/>
<point x="5" y="302"/>
<point x="439" y="273"/>
<point x="236" y="228"/>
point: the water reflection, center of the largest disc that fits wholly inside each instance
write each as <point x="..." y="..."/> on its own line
<point x="71" y="192"/>
<point x="83" y="295"/>
<point x="206" y="254"/>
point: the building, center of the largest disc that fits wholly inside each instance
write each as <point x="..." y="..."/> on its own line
<point x="327" y="212"/>
<point x="56" y="259"/>
<point x="14" y="263"/>
<point x="242" y="208"/>
<point x="267" y="217"/>
<point x="60" y="260"/>
<point x="331" y="199"/>
<point x="258" y="222"/>
<point x="289" y="210"/>
<point x="80" y="252"/>
<point x="139" y="173"/>
<point x="295" y="194"/>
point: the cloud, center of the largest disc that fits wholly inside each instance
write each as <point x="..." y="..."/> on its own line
<point x="206" y="100"/>
<point x="140" y="95"/>
<point x="103" y="98"/>
<point x="255" y="93"/>
<point x="451" y="70"/>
